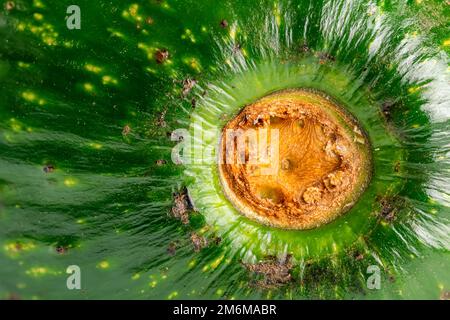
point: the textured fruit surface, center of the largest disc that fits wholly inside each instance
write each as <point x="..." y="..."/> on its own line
<point x="89" y="120"/>
<point x="293" y="160"/>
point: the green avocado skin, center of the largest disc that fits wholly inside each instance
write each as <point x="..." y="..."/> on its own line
<point x="86" y="176"/>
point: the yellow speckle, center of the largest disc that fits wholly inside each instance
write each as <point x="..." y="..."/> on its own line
<point x="192" y="263"/>
<point x="134" y="9"/>
<point x="153" y="283"/>
<point x="35" y="29"/>
<point x="108" y="80"/>
<point x="135" y="276"/>
<point x="277" y="14"/>
<point x="21" y="26"/>
<point x="216" y="263"/>
<point x="116" y="33"/>
<point x="440" y="286"/>
<point x="38" y="16"/>
<point x="48" y="40"/>
<point x="88" y="87"/>
<point x="204" y="29"/>
<point x="172" y="295"/>
<point x="446" y="43"/>
<point x="16" y="247"/>
<point x="413" y="89"/>
<point x="69" y="182"/>
<point x="28" y="95"/>
<point x="188" y="35"/>
<point x="95" y="145"/>
<point x="335" y="247"/>
<point x="38" y="4"/>
<point x="205" y="268"/>
<point x="21" y="285"/>
<point x="418" y="1"/>
<point x="415" y="126"/>
<point x="132" y="13"/>
<point x="150" y="70"/>
<point x="219" y="292"/>
<point x="36" y="271"/>
<point x="80" y="221"/>
<point x="165" y="5"/>
<point x="92" y="68"/>
<point x="22" y="64"/>
<point x="15" y="125"/>
<point x="103" y="265"/>
<point x="233" y="32"/>
<point x="193" y="63"/>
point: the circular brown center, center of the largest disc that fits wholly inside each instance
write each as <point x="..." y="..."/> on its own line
<point x="293" y="160"/>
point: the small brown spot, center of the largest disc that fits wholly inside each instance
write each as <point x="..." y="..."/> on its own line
<point x="397" y="166"/>
<point x="161" y="122"/>
<point x="274" y="273"/>
<point x="445" y="295"/>
<point x="285" y="164"/>
<point x="149" y="20"/>
<point x="237" y="48"/>
<point x="181" y="206"/>
<point x="388" y="210"/>
<point x="325" y="57"/>
<point x="216" y="240"/>
<point x="304" y="48"/>
<point x="358" y="256"/>
<point x="13" y="296"/>
<point x="386" y="108"/>
<point x="126" y="130"/>
<point x="160" y="162"/>
<point x="224" y="23"/>
<point x="188" y="84"/>
<point x="9" y="5"/>
<point x="172" y="248"/>
<point x="193" y="103"/>
<point x="61" y="249"/>
<point x="161" y="55"/>
<point x="198" y="241"/>
<point x="48" y="168"/>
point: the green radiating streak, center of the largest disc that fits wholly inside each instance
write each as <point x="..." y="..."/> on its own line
<point x="67" y="96"/>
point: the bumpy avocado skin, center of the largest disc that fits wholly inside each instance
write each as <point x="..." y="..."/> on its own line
<point x="86" y="176"/>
